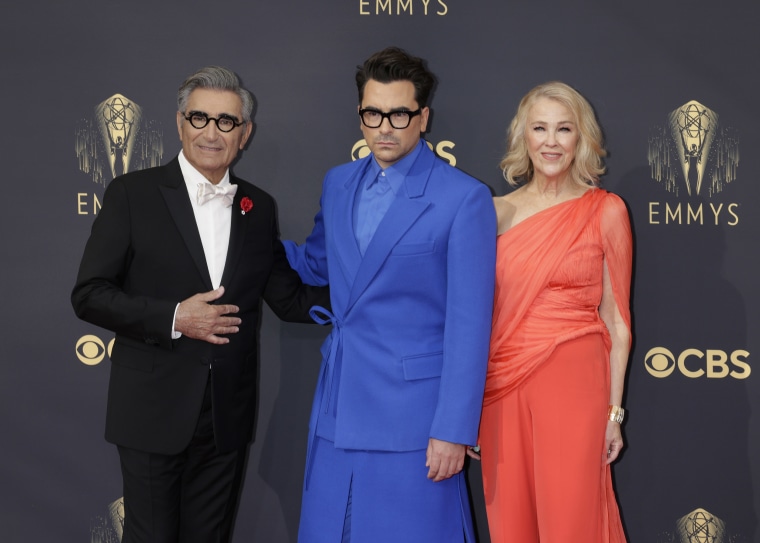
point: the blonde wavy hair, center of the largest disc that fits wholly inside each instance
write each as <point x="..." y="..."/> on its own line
<point x="587" y="167"/>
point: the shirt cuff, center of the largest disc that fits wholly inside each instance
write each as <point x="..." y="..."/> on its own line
<point x="175" y="334"/>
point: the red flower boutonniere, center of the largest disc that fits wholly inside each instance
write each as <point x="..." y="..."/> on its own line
<point x="245" y="205"/>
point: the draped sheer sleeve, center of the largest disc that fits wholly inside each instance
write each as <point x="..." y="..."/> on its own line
<point x="617" y="242"/>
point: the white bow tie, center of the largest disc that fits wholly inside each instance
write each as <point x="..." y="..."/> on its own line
<point x="207" y="191"/>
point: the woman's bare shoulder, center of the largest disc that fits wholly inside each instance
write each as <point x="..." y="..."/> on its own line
<point x="506" y="206"/>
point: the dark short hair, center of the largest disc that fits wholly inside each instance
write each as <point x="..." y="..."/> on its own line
<point x="215" y="78"/>
<point x="394" y="64"/>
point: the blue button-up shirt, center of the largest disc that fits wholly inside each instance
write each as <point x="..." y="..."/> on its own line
<point x="373" y="197"/>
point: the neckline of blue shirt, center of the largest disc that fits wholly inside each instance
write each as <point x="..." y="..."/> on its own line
<point x="396" y="173"/>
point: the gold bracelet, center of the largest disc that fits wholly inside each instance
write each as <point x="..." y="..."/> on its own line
<point x="616" y="413"/>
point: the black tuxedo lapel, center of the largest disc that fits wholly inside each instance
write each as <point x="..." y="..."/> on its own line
<point x="237" y="235"/>
<point x="174" y="191"/>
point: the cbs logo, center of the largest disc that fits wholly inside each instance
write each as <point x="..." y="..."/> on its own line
<point x="91" y="350"/>
<point x="693" y="363"/>
<point x="360" y="150"/>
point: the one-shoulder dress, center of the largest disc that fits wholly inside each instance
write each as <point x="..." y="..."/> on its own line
<point x="548" y="384"/>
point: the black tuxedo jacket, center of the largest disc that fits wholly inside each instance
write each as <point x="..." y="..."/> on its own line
<point x="143" y="257"/>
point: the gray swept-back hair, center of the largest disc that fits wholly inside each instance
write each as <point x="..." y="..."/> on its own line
<point x="215" y="78"/>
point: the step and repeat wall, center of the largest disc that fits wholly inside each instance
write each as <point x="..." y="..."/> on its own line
<point x="89" y="92"/>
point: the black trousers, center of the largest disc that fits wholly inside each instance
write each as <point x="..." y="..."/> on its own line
<point x="183" y="498"/>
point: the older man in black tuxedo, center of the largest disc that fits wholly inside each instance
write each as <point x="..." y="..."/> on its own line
<point x="177" y="263"/>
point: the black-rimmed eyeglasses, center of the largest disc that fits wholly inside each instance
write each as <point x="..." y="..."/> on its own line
<point x="400" y="119"/>
<point x="225" y="123"/>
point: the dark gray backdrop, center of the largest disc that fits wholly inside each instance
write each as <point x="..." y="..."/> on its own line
<point x="693" y="441"/>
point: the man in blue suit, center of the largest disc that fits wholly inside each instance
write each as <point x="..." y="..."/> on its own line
<point x="407" y="245"/>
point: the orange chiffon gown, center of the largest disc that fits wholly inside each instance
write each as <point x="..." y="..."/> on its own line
<point x="548" y="383"/>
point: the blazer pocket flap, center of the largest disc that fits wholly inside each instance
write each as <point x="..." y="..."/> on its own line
<point x="404" y="249"/>
<point x="422" y="366"/>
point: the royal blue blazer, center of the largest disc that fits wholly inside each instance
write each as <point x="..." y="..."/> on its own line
<point x="406" y="358"/>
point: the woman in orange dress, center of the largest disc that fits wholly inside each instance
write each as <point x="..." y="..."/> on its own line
<point x="561" y="331"/>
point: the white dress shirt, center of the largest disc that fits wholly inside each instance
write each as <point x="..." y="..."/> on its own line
<point x="213" y="219"/>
